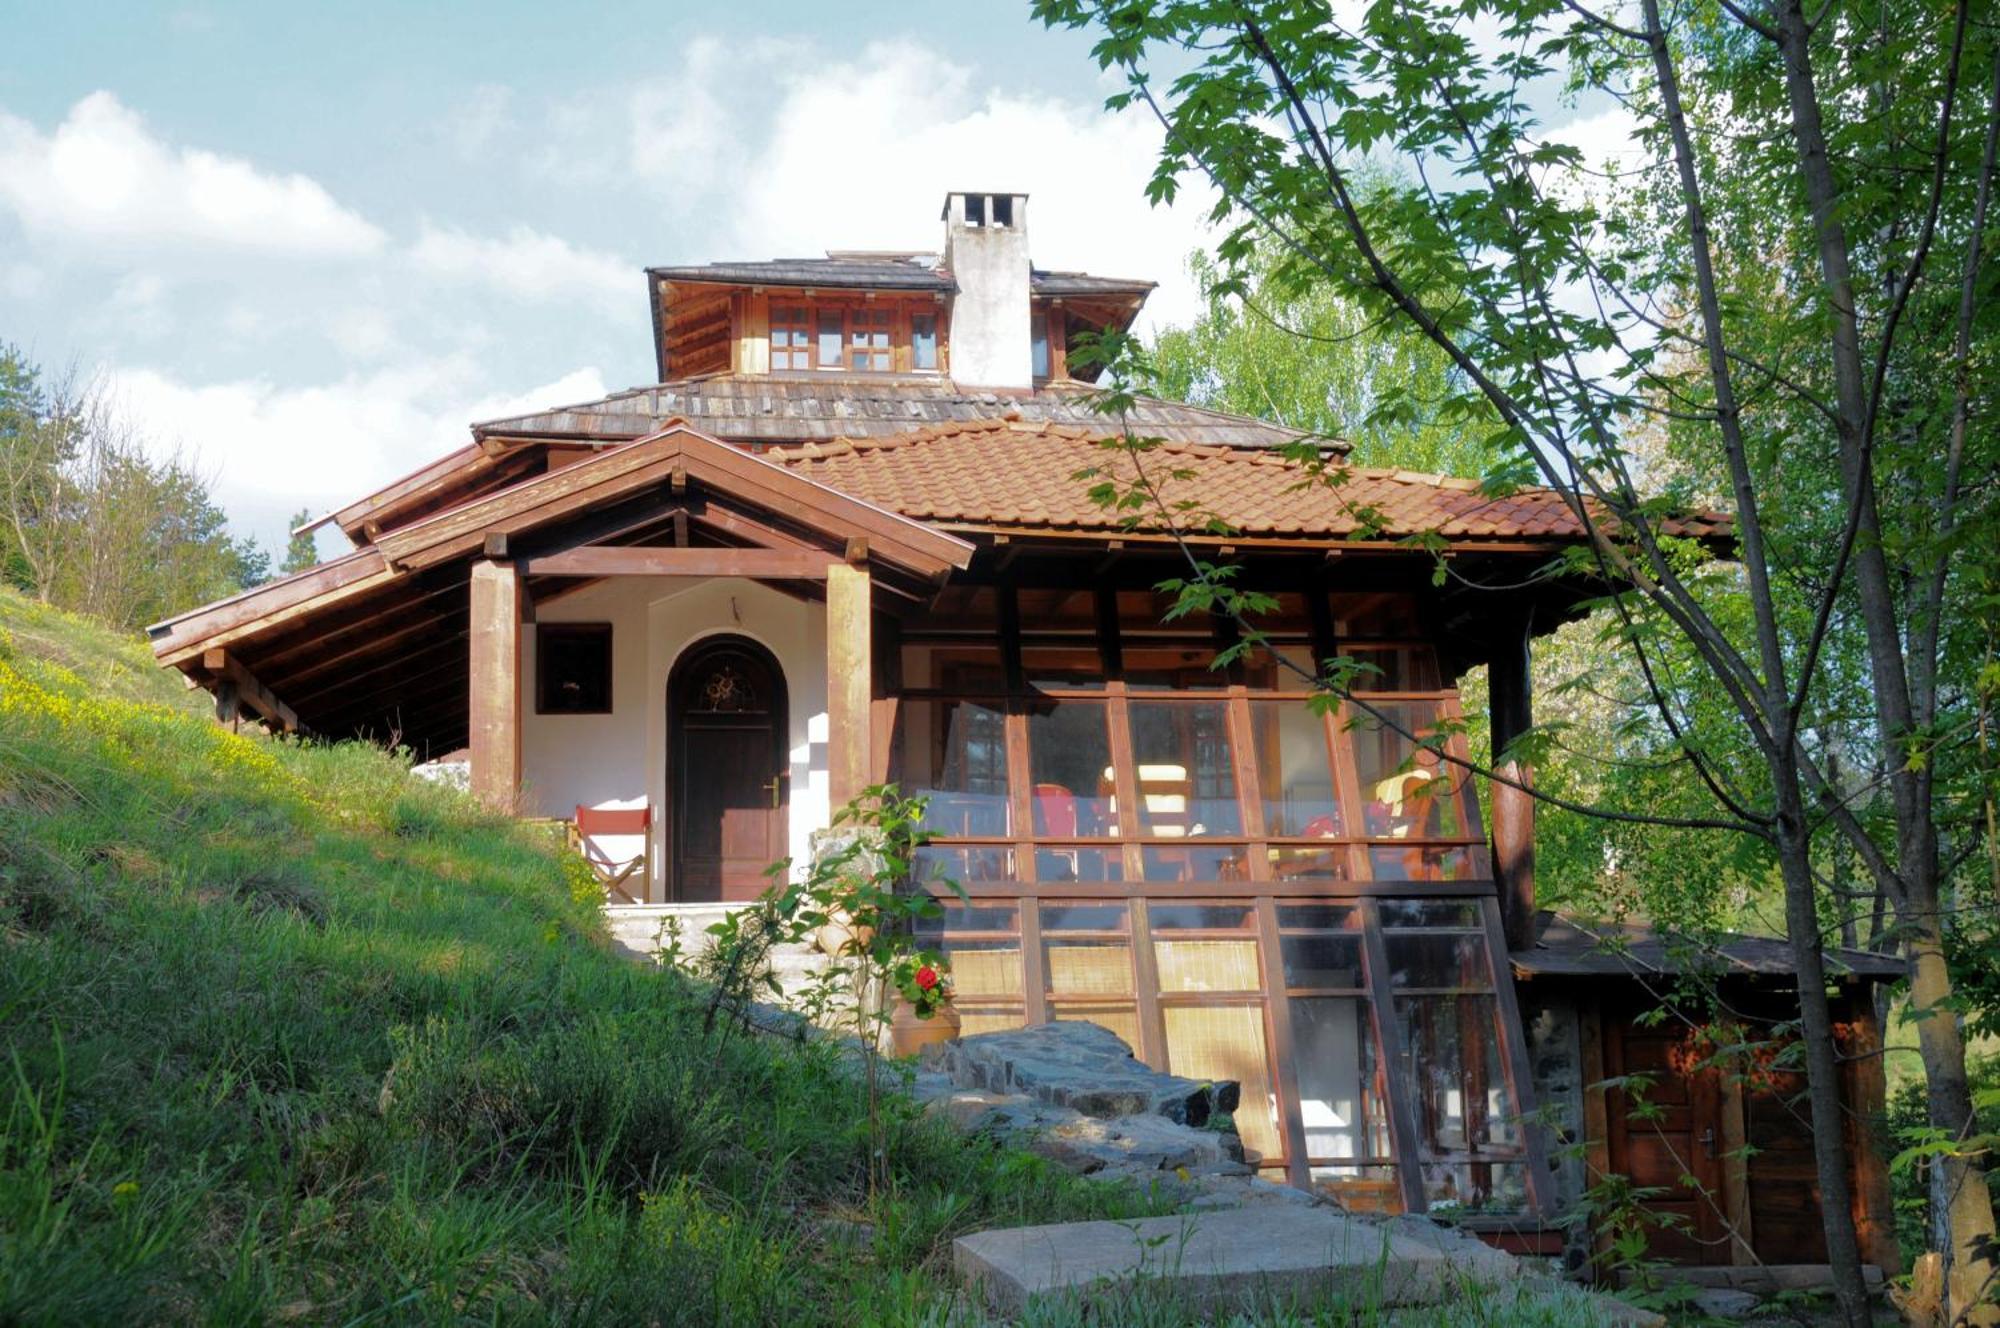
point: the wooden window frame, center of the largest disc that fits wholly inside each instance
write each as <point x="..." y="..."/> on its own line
<point x="576" y="631"/>
<point x="894" y="314"/>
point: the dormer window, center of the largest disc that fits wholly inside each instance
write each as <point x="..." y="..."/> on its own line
<point x="868" y="340"/>
<point x="791" y="342"/>
<point x="848" y="334"/>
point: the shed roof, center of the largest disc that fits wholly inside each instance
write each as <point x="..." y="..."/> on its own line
<point x="1573" y="947"/>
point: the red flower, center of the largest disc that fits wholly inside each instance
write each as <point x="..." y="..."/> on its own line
<point x="927" y="977"/>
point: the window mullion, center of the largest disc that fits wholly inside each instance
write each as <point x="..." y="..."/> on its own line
<point x="1397" y="1082"/>
<point x="1514" y="1056"/>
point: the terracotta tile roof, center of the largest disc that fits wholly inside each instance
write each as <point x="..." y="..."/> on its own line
<point x="1021" y="474"/>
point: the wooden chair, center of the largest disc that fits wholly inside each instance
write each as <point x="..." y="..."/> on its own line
<point x="592" y="823"/>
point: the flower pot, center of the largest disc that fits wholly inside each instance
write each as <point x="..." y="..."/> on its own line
<point x="908" y="1034"/>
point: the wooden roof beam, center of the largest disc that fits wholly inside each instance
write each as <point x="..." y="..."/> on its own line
<point x="229" y="671"/>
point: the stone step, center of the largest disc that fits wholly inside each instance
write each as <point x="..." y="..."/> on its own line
<point x="1238" y="1258"/>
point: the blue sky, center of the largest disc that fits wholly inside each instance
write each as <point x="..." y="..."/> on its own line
<point x="307" y="244"/>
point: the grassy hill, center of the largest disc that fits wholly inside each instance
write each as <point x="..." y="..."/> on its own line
<point x="286" y="1035"/>
<point x="289" y="1036"/>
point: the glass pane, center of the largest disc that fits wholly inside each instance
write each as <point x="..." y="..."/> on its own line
<point x="936" y="863"/>
<point x="1320" y="917"/>
<point x="1374" y="613"/>
<point x="1040" y="350"/>
<point x="1476" y="1187"/>
<point x="1172" y="669"/>
<point x="1315" y="864"/>
<point x="1322" y="961"/>
<point x="1082" y="917"/>
<point x="1340" y="1083"/>
<point x="1460" y="1086"/>
<point x="1177" y="916"/>
<point x="1075" y="862"/>
<point x="1407" y="793"/>
<point x="1062" y="666"/>
<point x="923" y="341"/>
<point x="1186" y="770"/>
<point x="989" y="969"/>
<point x="1088" y="968"/>
<point x="974" y="918"/>
<point x="1069" y="753"/>
<point x="1294" y="769"/>
<point x="954" y="753"/>
<point x="1119" y="1018"/>
<point x="1227" y="1042"/>
<point x="1360" y="1189"/>
<point x="1057" y="610"/>
<point x="1437" y="959"/>
<point x="1397" y="669"/>
<point x="1434" y="863"/>
<point x="831" y="334"/>
<point x="1195" y="862"/>
<point x="1431" y="913"/>
<point x="1208" y="965"/>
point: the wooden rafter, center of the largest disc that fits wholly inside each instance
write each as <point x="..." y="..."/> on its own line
<point x="225" y="670"/>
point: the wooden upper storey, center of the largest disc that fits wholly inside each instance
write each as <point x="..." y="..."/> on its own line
<point x="858" y="314"/>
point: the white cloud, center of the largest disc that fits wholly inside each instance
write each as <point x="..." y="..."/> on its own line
<point x="859" y="154"/>
<point x="104" y="179"/>
<point x="526" y="264"/>
<point x="272" y="450"/>
<point x="473" y="125"/>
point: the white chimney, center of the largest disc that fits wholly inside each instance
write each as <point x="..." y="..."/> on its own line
<point x="986" y="250"/>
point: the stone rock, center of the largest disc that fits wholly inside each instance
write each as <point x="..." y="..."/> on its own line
<point x="1216" y="1259"/>
<point x="1082" y="1067"/>
<point x="1726" y="1303"/>
<point x="1129" y="1144"/>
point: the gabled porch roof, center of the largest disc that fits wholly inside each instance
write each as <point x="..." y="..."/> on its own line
<point x="378" y="640"/>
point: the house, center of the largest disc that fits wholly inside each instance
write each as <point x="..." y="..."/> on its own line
<point x="843" y="540"/>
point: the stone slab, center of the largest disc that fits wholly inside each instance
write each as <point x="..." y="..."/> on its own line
<point x="1217" y="1259"/>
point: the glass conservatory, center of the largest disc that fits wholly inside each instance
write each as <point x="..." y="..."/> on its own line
<point x="1240" y="884"/>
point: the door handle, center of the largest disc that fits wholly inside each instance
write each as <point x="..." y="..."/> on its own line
<point x="775" y="786"/>
<point x="1708" y="1142"/>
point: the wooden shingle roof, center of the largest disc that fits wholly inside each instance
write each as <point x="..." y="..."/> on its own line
<point x="780" y="408"/>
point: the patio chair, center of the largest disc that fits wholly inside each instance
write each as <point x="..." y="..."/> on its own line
<point x="603" y="835"/>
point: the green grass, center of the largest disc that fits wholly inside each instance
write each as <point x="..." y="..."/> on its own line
<point x="288" y="1036"/>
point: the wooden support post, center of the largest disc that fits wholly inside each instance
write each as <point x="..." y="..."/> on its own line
<point x="1736" y="1173"/>
<point x="1510" y="692"/>
<point x="228" y="706"/>
<point x="849" y="674"/>
<point x="495" y="680"/>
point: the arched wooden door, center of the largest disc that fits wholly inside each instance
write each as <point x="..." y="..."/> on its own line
<point x="726" y="769"/>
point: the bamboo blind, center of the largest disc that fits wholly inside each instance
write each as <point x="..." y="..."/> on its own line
<point x="1227" y="1042"/>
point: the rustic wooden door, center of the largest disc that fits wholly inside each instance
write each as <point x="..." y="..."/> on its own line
<point x="726" y="769"/>
<point x="1667" y="1137"/>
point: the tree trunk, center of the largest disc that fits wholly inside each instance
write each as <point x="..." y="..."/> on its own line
<point x="1967" y="1201"/>
<point x="1836" y="1199"/>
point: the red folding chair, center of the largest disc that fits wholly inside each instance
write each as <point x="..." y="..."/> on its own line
<point x="616" y="871"/>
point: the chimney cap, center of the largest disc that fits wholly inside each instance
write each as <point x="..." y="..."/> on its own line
<point x="945" y="213"/>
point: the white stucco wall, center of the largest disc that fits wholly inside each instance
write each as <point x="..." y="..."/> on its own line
<point x="620" y="759"/>
<point x="991" y="344"/>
